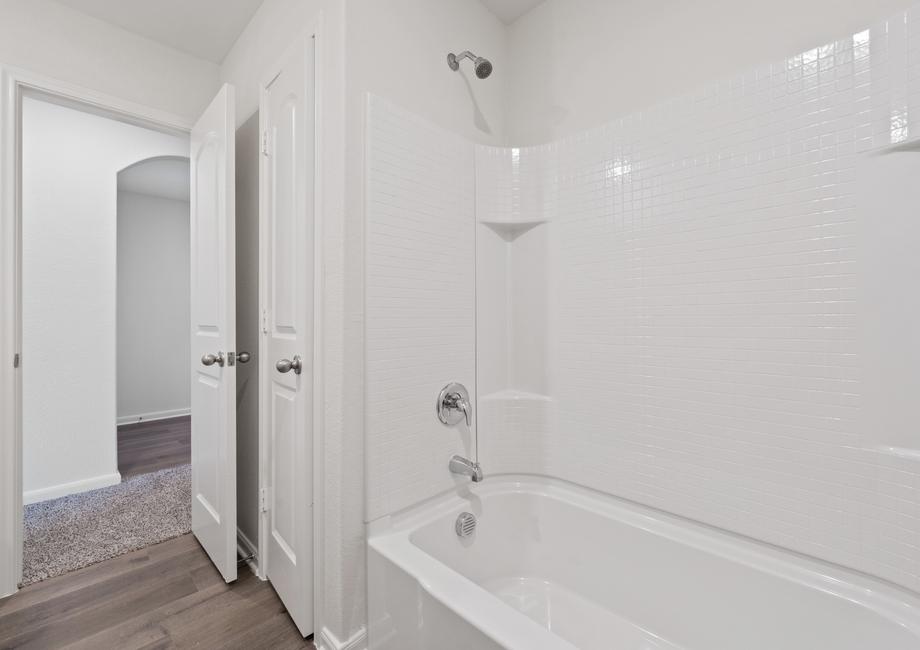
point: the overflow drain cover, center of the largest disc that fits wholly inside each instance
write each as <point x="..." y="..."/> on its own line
<point x="466" y="524"/>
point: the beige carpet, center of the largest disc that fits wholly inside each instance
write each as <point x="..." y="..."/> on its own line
<point x="75" y="531"/>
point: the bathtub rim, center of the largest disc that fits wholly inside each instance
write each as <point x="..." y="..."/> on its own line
<point x="390" y="536"/>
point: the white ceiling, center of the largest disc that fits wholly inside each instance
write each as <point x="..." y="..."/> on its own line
<point x="163" y="177"/>
<point x="510" y="10"/>
<point x="209" y="28"/>
<point x="203" y="28"/>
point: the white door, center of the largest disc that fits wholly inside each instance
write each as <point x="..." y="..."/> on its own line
<point x="213" y="333"/>
<point x="287" y="117"/>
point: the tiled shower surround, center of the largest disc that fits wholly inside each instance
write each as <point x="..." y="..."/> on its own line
<point x="701" y="342"/>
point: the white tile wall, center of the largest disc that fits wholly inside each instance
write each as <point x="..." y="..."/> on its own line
<point x="705" y="322"/>
<point x="419" y="301"/>
<point x="706" y="266"/>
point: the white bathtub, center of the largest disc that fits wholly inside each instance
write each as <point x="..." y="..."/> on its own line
<point x="552" y="565"/>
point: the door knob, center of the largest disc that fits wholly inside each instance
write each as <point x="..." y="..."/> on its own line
<point x="243" y="357"/>
<point x="286" y="365"/>
<point x="210" y="359"/>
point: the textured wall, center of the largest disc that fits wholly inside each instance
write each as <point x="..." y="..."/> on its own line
<point x="715" y="268"/>
<point x="419" y="303"/>
<point x="577" y="64"/>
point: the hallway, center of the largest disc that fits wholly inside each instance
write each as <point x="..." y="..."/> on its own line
<point x="150" y="446"/>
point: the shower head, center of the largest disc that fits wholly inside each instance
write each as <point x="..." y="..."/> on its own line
<point x="482" y="66"/>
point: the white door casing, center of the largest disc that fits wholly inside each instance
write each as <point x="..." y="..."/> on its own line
<point x="213" y="310"/>
<point x="287" y="229"/>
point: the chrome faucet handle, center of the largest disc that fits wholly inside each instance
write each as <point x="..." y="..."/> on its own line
<point x="456" y="402"/>
<point x="454" y="405"/>
<point x="464" y="405"/>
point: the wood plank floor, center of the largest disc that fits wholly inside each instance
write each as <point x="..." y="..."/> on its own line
<point x="164" y="596"/>
<point x="150" y="446"/>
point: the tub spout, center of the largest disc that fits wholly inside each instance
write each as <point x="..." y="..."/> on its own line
<point x="466" y="467"/>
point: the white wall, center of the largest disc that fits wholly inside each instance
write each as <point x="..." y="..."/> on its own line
<point x="398" y="51"/>
<point x="152" y="304"/>
<point x="574" y="64"/>
<point x="887" y="196"/>
<point x="730" y="340"/>
<point x="420" y="304"/>
<point x="70" y="165"/>
<point x="50" y="39"/>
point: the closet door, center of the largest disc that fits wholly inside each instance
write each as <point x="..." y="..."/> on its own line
<point x="287" y="116"/>
<point x="213" y="363"/>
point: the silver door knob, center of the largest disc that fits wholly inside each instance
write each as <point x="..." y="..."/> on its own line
<point x="243" y="357"/>
<point x="286" y="365"/>
<point x="210" y="359"/>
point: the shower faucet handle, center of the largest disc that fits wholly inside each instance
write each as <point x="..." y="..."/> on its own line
<point x="454" y="405"/>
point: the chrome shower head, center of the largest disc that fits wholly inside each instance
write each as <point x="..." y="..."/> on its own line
<point x="481" y="65"/>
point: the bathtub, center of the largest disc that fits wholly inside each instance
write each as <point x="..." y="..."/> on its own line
<point x="554" y="566"/>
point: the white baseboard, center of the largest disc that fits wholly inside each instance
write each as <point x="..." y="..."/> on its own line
<point x="153" y="415"/>
<point x="246" y="548"/>
<point x="326" y="640"/>
<point x="62" y="490"/>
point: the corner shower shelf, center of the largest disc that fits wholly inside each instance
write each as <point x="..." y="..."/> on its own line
<point x="511" y="230"/>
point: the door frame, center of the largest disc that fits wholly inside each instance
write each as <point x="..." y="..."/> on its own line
<point x="14" y="82"/>
<point x="301" y="43"/>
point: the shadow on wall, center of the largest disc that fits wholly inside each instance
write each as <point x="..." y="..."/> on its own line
<point x="479" y="119"/>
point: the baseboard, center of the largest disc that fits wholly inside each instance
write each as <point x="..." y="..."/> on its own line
<point x="62" y="490"/>
<point x="247" y="549"/>
<point x="326" y="640"/>
<point x="153" y="415"/>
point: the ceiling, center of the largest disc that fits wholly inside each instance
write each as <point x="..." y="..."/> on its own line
<point x="164" y="177"/>
<point x="208" y="29"/>
<point x="203" y="28"/>
<point x="510" y="10"/>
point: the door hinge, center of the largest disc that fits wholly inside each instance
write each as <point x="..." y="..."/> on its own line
<point x="264" y="321"/>
<point x="16" y="360"/>
<point x="263" y="500"/>
<point x="264" y="143"/>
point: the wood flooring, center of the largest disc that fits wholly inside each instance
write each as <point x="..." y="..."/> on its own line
<point x="150" y="446"/>
<point x="164" y="596"/>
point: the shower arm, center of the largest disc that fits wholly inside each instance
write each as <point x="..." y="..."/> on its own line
<point x="453" y="60"/>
